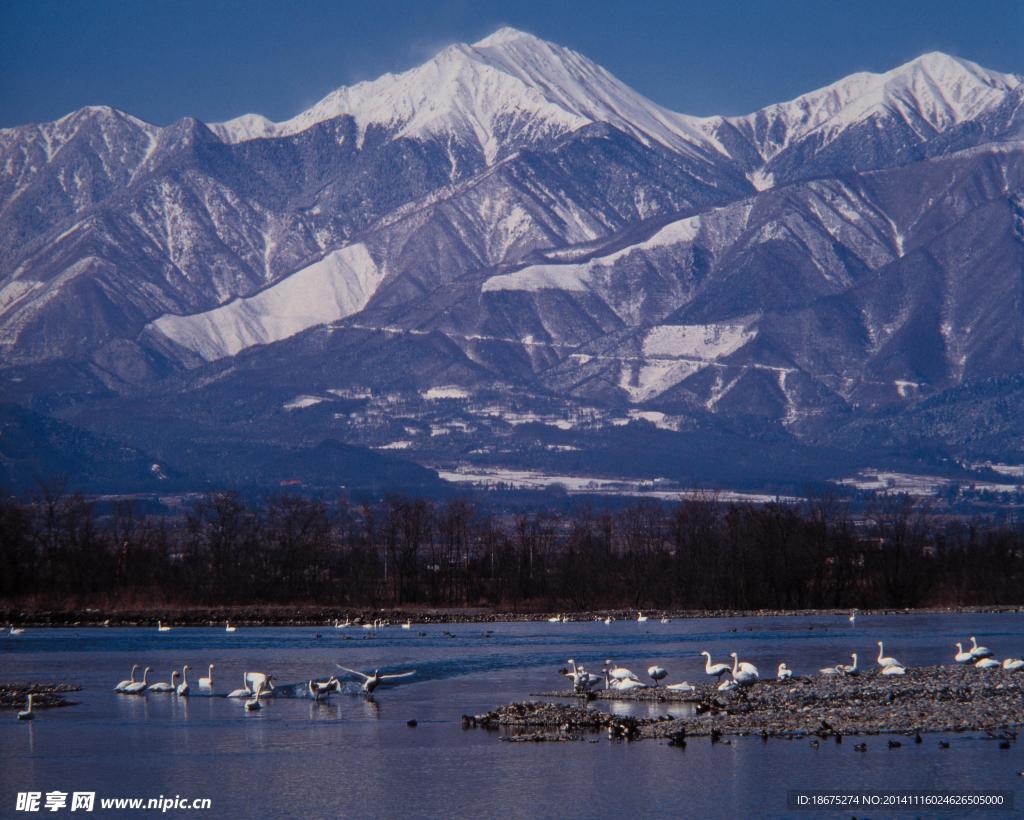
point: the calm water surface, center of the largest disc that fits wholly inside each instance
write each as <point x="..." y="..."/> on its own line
<point x="358" y="758"/>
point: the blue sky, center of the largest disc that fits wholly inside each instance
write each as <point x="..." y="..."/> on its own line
<point x="214" y="59"/>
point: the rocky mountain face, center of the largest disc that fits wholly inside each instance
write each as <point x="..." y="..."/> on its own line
<point x="507" y="258"/>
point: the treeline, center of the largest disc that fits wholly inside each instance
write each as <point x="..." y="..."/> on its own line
<point x="59" y="551"/>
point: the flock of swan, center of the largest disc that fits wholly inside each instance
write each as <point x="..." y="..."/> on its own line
<point x="742" y="673"/>
<point x="255" y="685"/>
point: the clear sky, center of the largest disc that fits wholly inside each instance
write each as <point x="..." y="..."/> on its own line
<point x="215" y="59"/>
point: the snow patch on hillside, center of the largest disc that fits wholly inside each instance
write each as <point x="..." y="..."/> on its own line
<point x="337" y="286"/>
<point x="703" y="342"/>
<point x="579" y="276"/>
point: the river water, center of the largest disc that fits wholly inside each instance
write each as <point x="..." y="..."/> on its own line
<point x="358" y="758"/>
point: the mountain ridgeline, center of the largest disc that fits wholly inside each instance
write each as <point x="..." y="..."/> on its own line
<point x="506" y="258"/>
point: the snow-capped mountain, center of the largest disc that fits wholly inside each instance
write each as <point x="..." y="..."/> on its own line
<point x="510" y="216"/>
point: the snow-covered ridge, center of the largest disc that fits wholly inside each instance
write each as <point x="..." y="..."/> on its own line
<point x="507" y="85"/>
<point x="337" y="286"/>
<point x="930" y="93"/>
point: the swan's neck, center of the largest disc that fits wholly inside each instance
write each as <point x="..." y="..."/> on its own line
<point x="735" y="664"/>
<point x="880" y="651"/>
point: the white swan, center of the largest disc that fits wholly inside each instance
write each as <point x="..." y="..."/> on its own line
<point x="17" y="631"/>
<point x="617" y="672"/>
<point x="657" y="673"/>
<point x="681" y="687"/>
<point x="582" y="680"/>
<point x="979" y="651"/>
<point x="253" y="705"/>
<point x="850" y="668"/>
<point x="961" y="656"/>
<point x="831" y="670"/>
<point x="894" y="670"/>
<point x="254" y="679"/>
<point x="640" y="617"/>
<point x="121" y="686"/>
<point x="714" y="669"/>
<point x="323" y="690"/>
<point x="885" y="662"/>
<point x="228" y="627"/>
<point x="622" y="684"/>
<point x="161" y="628"/>
<point x="556" y="620"/>
<point x="164" y="686"/>
<point x="244" y="692"/>
<point x="339" y="625"/>
<point x="608" y="620"/>
<point x="207" y="682"/>
<point x="987" y="663"/>
<point x="371" y="682"/>
<point x="183" y="688"/>
<point x="666" y="620"/>
<point x="784" y="673"/>
<point x="138" y="687"/>
<point x="407" y="624"/>
<point x="853" y="616"/>
<point x="743" y="673"/>
<point x="727" y="685"/>
<point x="27" y="714"/>
<point x="1013" y="664"/>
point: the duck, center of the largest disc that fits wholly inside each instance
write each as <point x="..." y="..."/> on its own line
<point x="27" y="713"/>
<point x="121" y="686"/>
<point x="138" y="687"/>
<point x="207" y="682"/>
<point x="784" y="673"/>
<point x="961" y="656"/>
<point x="979" y="651"/>
<point x="183" y="688"/>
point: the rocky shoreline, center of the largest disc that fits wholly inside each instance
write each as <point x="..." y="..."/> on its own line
<point x="318" y="616"/>
<point x="44" y="695"/>
<point x="942" y="699"/>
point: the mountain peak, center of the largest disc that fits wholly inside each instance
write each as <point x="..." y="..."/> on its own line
<point x="505" y="34"/>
